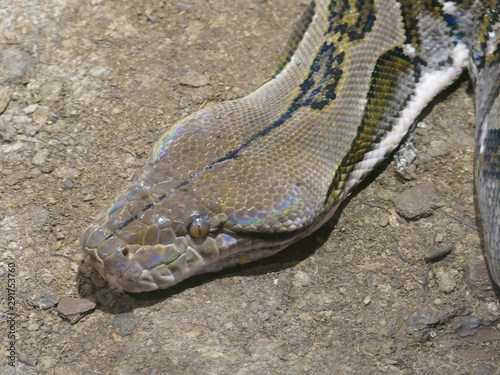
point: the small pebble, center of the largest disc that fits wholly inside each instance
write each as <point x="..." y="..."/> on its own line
<point x="436" y="255"/>
<point x="418" y="202"/>
<point x="438" y="148"/>
<point x="477" y="279"/>
<point x="98" y="71"/>
<point x="426" y="318"/>
<point x="301" y="279"/>
<point x="445" y="280"/>
<point x="13" y="246"/>
<point x="14" y="147"/>
<point x="47" y="278"/>
<point x="16" y="65"/>
<point x="492" y="306"/>
<point x="383" y="221"/>
<point x="46" y="300"/>
<point x="30" y="109"/>
<point x="40" y="115"/>
<point x="194" y="79"/>
<point x="64" y="172"/>
<point x="73" y="309"/>
<point x="464" y="325"/>
<point x="125" y="324"/>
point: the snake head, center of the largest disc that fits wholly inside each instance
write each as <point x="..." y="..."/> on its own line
<point x="195" y="208"/>
<point x="142" y="244"/>
<point x="138" y="247"/>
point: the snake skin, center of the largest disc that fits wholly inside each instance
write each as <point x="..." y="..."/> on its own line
<point x="244" y="179"/>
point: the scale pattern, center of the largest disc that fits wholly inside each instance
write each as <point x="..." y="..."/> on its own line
<point x="244" y="179"/>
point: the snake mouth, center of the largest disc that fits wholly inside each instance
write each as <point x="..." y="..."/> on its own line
<point x="136" y="268"/>
<point x="124" y="270"/>
<point x="146" y="267"/>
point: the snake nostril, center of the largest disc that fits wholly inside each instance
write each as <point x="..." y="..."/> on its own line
<point x="125" y="252"/>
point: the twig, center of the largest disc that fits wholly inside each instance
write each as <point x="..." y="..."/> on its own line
<point x="466" y="223"/>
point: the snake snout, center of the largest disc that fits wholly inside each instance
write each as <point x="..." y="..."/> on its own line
<point x="118" y="262"/>
<point x="140" y="267"/>
<point x="107" y="253"/>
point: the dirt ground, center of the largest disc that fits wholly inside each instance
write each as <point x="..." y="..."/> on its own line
<point x="87" y="87"/>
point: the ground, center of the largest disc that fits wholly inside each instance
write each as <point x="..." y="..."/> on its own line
<point x="87" y="87"/>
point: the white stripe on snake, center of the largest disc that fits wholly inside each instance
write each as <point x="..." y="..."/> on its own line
<point x="244" y="179"/>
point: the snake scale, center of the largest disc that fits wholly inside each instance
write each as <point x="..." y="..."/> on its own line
<point x="244" y="179"/>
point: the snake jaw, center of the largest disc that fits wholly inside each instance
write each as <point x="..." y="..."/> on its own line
<point x="142" y="268"/>
<point x="146" y="267"/>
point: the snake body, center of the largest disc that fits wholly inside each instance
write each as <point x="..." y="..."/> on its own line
<point x="246" y="178"/>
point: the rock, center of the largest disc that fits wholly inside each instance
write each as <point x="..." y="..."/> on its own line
<point x="74" y="309"/>
<point x="125" y="324"/>
<point x="435" y="255"/>
<point x="40" y="115"/>
<point x="438" y="148"/>
<point x="417" y="202"/>
<point x="465" y="325"/>
<point x="301" y="279"/>
<point x="478" y="280"/>
<point x="98" y="71"/>
<point x="422" y="321"/>
<point x="194" y="79"/>
<point x="47" y="278"/>
<point x="16" y="66"/>
<point x="64" y="172"/>
<point x="30" y="109"/>
<point x="492" y="307"/>
<point x="46" y="300"/>
<point x="445" y="279"/>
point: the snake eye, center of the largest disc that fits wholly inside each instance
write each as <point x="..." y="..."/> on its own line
<point x="198" y="228"/>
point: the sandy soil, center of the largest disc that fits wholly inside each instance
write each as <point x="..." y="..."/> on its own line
<point x="86" y="89"/>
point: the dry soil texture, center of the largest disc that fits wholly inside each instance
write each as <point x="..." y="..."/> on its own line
<point x="88" y="86"/>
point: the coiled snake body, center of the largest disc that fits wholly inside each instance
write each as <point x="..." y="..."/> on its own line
<point x="246" y="178"/>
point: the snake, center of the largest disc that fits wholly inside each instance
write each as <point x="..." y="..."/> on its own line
<point x="243" y="179"/>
